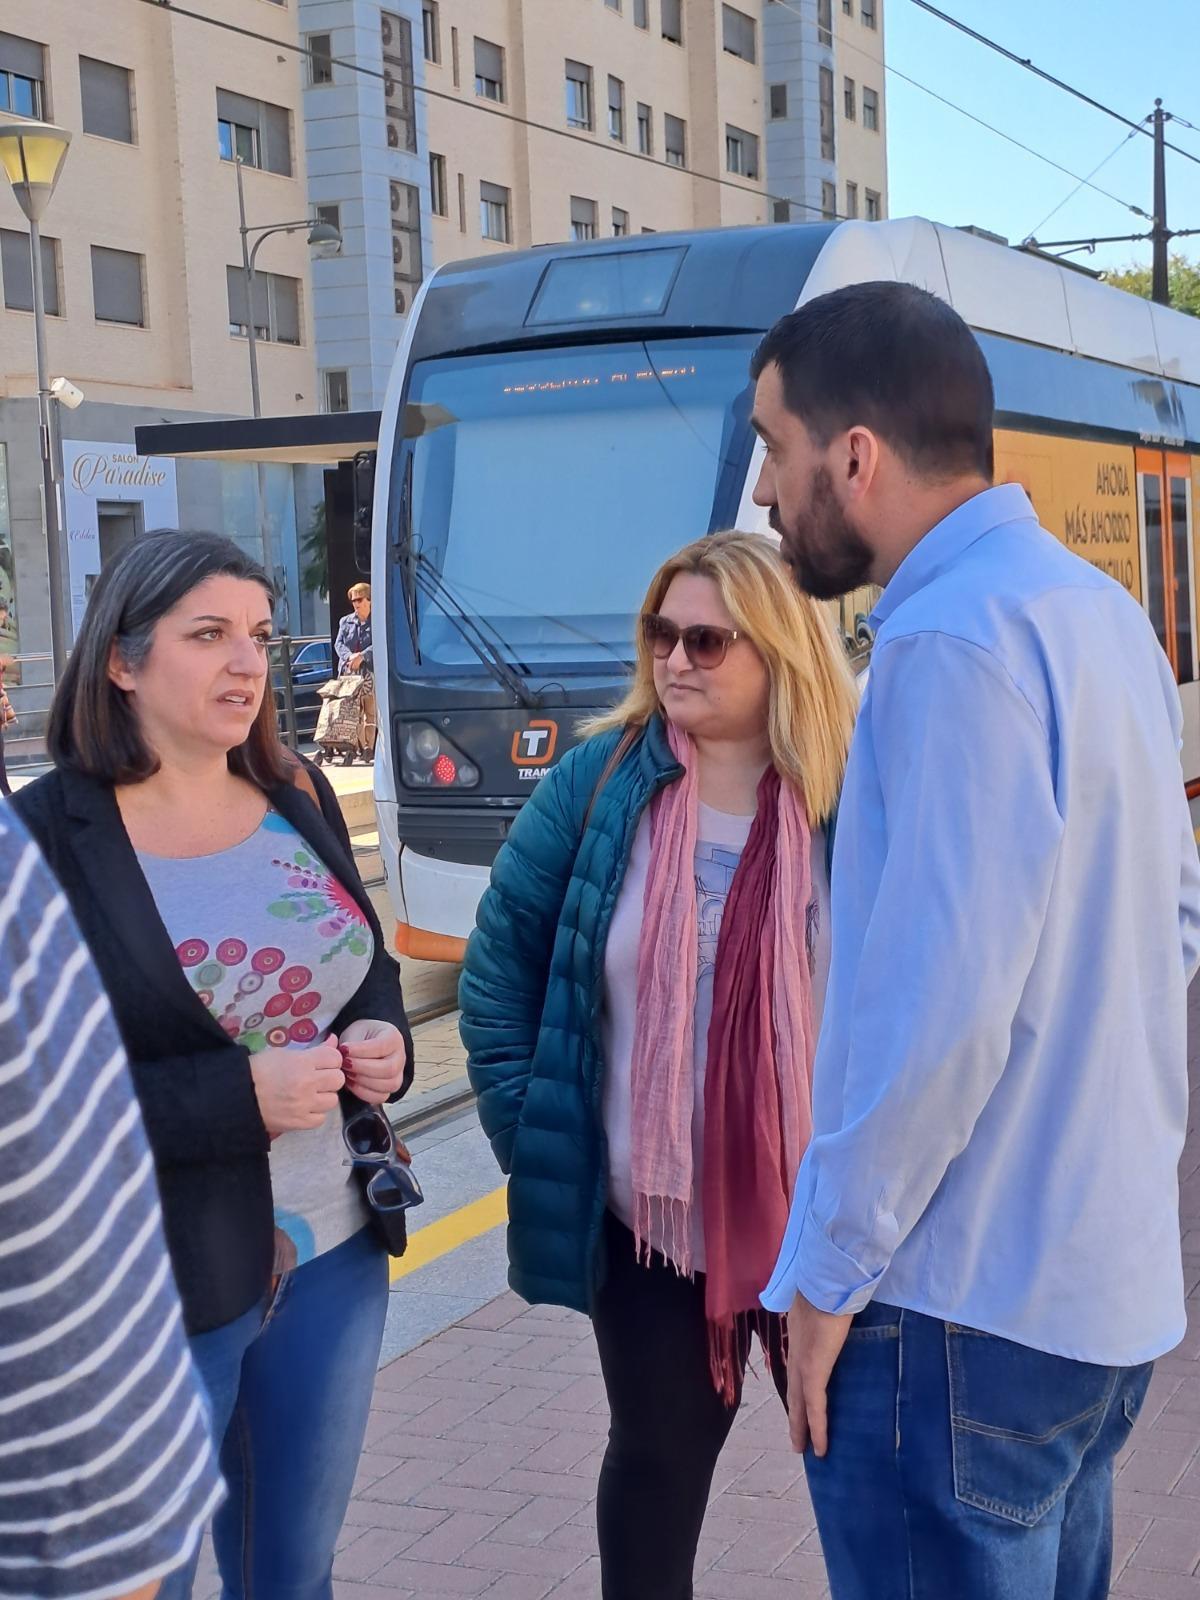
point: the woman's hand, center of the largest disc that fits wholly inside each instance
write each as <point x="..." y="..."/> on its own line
<point x="375" y="1056"/>
<point x="297" y="1089"/>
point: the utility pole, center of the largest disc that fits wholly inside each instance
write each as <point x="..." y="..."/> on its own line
<point x="1160" y="234"/>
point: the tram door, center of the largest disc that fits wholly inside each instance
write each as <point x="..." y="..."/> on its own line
<point x="1165" y="509"/>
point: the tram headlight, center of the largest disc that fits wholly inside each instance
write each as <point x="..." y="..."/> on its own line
<point x="426" y="744"/>
<point x="429" y="760"/>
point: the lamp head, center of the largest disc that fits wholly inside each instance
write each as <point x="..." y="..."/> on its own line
<point x="324" y="240"/>
<point x="31" y="156"/>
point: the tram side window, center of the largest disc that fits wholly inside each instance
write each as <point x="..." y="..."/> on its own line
<point x="1181" y="543"/>
<point x="1155" y="591"/>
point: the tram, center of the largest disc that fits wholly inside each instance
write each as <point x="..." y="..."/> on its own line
<point x="559" y="420"/>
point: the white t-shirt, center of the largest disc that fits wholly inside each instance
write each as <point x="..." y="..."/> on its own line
<point x="720" y="840"/>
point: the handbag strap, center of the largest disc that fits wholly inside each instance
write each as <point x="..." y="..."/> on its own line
<point x="622" y="748"/>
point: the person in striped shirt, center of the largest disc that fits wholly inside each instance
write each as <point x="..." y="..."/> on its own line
<point x="107" y="1476"/>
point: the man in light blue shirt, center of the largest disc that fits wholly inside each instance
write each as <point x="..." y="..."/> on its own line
<point x="983" y="1255"/>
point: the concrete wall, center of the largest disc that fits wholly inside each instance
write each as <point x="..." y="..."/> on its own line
<point x="697" y="82"/>
<point x="794" y="56"/>
<point x="168" y="197"/>
<point x="351" y="165"/>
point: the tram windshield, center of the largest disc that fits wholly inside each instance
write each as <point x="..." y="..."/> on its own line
<point x="536" y="492"/>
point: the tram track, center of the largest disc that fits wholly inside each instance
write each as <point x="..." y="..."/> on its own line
<point x="421" y="1118"/>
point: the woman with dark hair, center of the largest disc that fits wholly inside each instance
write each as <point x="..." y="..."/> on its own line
<point x="251" y="984"/>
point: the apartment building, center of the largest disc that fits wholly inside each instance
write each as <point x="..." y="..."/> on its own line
<point x="825" y="132"/>
<point x="485" y="125"/>
<point x="145" y="293"/>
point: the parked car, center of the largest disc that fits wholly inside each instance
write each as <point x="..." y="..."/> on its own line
<point x="312" y="665"/>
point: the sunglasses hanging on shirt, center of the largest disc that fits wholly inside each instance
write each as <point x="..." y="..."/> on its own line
<point x="383" y="1167"/>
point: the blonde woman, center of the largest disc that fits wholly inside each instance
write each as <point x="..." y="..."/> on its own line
<point x="640" y="1004"/>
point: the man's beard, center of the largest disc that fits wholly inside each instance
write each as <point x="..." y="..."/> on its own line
<point x="827" y="555"/>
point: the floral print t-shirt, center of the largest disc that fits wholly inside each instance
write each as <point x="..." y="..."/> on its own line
<point x="274" y="945"/>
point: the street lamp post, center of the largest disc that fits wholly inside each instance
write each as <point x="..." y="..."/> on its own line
<point x="32" y="155"/>
<point x="325" y="239"/>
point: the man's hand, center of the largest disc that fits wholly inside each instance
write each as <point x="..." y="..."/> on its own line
<point x="815" y="1340"/>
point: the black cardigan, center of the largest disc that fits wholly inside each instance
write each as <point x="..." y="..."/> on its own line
<point x="193" y="1083"/>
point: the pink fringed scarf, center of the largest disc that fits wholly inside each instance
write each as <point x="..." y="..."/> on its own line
<point x="758" y="1081"/>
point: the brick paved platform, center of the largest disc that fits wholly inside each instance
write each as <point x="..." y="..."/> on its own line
<point x="484" y="1445"/>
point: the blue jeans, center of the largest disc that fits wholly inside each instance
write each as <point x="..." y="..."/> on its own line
<point x="289" y="1389"/>
<point x="962" y="1466"/>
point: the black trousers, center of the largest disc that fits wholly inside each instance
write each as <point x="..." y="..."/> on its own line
<point x="668" y="1425"/>
<point x="4" y="788"/>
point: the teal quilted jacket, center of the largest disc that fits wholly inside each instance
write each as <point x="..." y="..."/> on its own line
<point x="531" y="994"/>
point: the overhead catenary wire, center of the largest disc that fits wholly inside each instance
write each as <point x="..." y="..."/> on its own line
<point x="1033" y="232"/>
<point x="1047" y="77"/>
<point x="1049" y="161"/>
<point x="486" y="107"/>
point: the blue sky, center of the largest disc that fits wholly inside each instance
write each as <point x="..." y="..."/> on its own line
<point x="1122" y="52"/>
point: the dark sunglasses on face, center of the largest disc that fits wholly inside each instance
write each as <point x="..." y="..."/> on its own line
<point x="704" y="644"/>
<point x="371" y="1142"/>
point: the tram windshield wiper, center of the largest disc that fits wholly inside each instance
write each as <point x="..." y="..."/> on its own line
<point x="434" y="587"/>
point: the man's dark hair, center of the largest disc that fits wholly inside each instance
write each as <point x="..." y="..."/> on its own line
<point x="93" y="727"/>
<point x="895" y="359"/>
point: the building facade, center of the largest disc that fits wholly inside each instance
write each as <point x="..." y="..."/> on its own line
<point x="528" y="122"/>
<point x="146" y="297"/>
<point x="826" y="133"/>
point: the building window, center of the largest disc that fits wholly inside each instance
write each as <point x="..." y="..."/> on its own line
<point x="254" y="132"/>
<point x="675" y="140"/>
<point x="871" y="110"/>
<point x="579" y="95"/>
<point x="337" y="390"/>
<point x="439" y="198"/>
<point x="399" y="101"/>
<point x="431" y="31"/>
<point x="613" y="5"/>
<point x="866" y="11"/>
<point x="616" y="109"/>
<point x="106" y="93"/>
<point x="16" y="268"/>
<point x="825" y="96"/>
<point x="781" y="211"/>
<point x="493" y="212"/>
<point x="276" y="306"/>
<point x="672" y="20"/>
<point x="849" y="99"/>
<point x="851" y="199"/>
<point x="778" y="101"/>
<point x="118" y="294"/>
<point x="741" y="152"/>
<point x="454" y="61"/>
<point x="825" y="22"/>
<point x="738" y="34"/>
<point x="645" y="122"/>
<point x="874" y="206"/>
<point x="848" y="8"/>
<point x="330" y="214"/>
<point x="583" y="219"/>
<point x="22" y="76"/>
<point x="320" y="58"/>
<point x="828" y="201"/>
<point x="620" y="223"/>
<point x="407" y="266"/>
<point x="489" y="70"/>
<point x="641" y="13"/>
